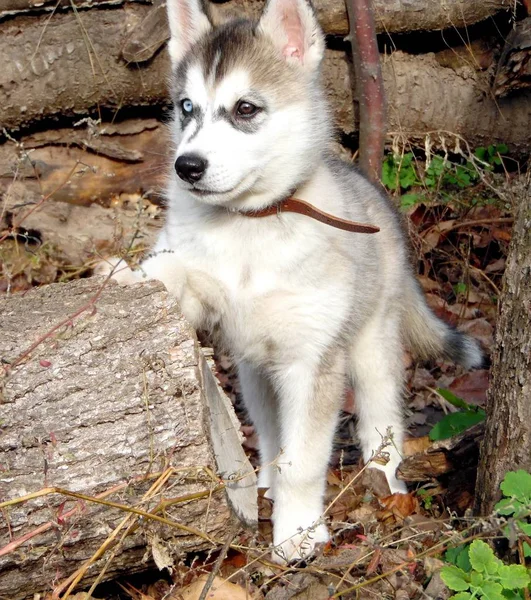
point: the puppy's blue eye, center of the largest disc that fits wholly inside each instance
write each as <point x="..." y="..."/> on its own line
<point x="187" y="106"/>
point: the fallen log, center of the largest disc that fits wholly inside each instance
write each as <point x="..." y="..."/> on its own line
<point x="87" y="164"/>
<point x="452" y="463"/>
<point x="443" y="457"/>
<point x="391" y="16"/>
<point x="61" y="73"/>
<point x="426" y="96"/>
<point x="120" y="406"/>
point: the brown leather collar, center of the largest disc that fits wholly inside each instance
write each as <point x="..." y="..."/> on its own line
<point x="303" y="208"/>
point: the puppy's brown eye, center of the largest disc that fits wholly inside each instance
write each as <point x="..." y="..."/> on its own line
<point x="246" y="109"/>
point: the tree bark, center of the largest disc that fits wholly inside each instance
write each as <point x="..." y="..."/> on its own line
<point x="72" y="63"/>
<point x="427" y="93"/>
<point x="507" y="442"/>
<point x="120" y="394"/>
<point x="392" y="16"/>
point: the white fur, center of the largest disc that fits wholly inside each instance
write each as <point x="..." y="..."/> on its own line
<point x="302" y="307"/>
<point x="187" y="24"/>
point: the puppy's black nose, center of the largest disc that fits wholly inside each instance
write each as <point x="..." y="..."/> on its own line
<point x="190" y="167"/>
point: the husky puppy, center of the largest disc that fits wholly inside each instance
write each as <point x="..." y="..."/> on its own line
<point x="305" y="309"/>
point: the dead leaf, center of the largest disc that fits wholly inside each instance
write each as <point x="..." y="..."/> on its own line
<point x="472" y="387"/>
<point x="220" y="590"/>
<point x="495" y="266"/>
<point x="437" y="589"/>
<point x="375" y="561"/>
<point x="502" y="235"/>
<point x="160" y="553"/>
<point x="420" y="522"/>
<point x="432" y="236"/>
<point x="429" y="285"/>
<point x="364" y="514"/>
<point x="416" y="445"/>
<point x="402" y="505"/>
<point x="375" y="481"/>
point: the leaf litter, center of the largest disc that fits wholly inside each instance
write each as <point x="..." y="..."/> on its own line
<point x="382" y="545"/>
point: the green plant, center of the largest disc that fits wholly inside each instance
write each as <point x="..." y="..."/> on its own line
<point x="488" y="577"/>
<point x="491" y="155"/>
<point x="401" y="173"/>
<point x="457" y="422"/>
<point x="426" y="498"/>
<point x="516" y="503"/>
<point x="398" y="172"/>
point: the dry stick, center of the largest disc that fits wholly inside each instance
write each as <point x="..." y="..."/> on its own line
<point x="124" y="507"/>
<point x="217" y="565"/>
<point x="371" y="91"/>
<point x="491" y="221"/>
<point x="14" y="544"/>
<point x="76" y="577"/>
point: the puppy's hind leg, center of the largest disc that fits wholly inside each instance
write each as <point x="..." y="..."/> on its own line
<point x="261" y="404"/>
<point x="377" y="375"/>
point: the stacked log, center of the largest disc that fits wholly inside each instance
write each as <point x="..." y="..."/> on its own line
<point x="120" y="406"/>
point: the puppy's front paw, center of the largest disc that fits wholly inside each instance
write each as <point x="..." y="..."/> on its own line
<point x="296" y="533"/>
<point x="119" y="270"/>
<point x="300" y="545"/>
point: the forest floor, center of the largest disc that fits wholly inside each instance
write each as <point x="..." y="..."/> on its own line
<point x="386" y="546"/>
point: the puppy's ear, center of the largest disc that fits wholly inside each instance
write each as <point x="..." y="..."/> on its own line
<point x="294" y="29"/>
<point x="188" y="21"/>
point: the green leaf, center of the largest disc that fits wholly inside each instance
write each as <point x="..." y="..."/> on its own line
<point x="482" y="558"/>
<point x="527" y="550"/>
<point x="389" y="173"/>
<point x="476" y="579"/>
<point x="459" y="556"/>
<point x="481" y="153"/>
<point x="455" y="400"/>
<point x="462" y="596"/>
<point x="492" y="591"/>
<point x="517" y="484"/>
<point x="525" y="527"/>
<point x="511" y="595"/>
<point x="513" y="577"/>
<point x="452" y="553"/>
<point x="455" y="423"/>
<point x="460" y="288"/>
<point x="454" y="578"/>
<point x="502" y="148"/>
<point x="409" y="200"/>
<point x="408" y="177"/>
<point x="507" y="506"/>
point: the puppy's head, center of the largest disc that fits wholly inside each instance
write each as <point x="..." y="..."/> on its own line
<point x="250" y="123"/>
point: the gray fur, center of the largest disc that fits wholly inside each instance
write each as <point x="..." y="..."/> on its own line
<point x="302" y="307"/>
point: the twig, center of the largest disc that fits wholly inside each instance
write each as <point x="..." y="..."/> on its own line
<point x="217" y="565"/>
<point x="76" y="577"/>
<point x="462" y="224"/>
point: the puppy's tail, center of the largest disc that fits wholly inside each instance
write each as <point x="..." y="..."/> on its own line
<point x="429" y="337"/>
